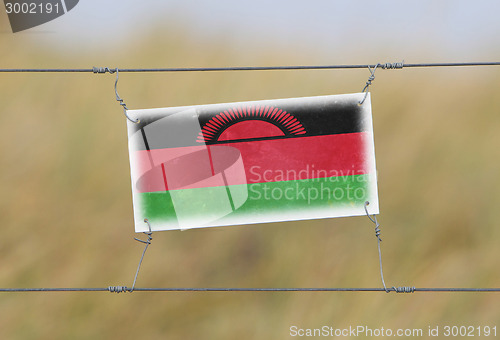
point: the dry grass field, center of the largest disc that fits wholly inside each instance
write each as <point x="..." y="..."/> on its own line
<point x="66" y="208"/>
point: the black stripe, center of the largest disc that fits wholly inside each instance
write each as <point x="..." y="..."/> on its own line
<point x="147" y="148"/>
<point x="318" y="116"/>
<point x="145" y="139"/>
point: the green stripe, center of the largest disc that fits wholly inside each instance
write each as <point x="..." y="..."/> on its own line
<point x="273" y="198"/>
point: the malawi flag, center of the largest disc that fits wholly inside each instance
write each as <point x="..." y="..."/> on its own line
<point x="252" y="162"/>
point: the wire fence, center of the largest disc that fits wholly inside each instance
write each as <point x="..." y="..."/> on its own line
<point x="371" y="67"/>
<point x="397" y="65"/>
<point x="122" y="289"/>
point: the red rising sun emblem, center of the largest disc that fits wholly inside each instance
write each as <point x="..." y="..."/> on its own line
<point x="248" y="123"/>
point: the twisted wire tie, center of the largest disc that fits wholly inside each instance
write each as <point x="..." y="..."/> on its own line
<point x="368" y="83"/>
<point x="122" y="289"/>
<point x="147" y="233"/>
<point x="379" y="239"/>
<point x="102" y="70"/>
<point x="147" y="243"/>
<point x="118" y="289"/>
<point x="371" y="78"/>
<point x="404" y="289"/>
<point x="392" y="66"/>
<point x="374" y="220"/>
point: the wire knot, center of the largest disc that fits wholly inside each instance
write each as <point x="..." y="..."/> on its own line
<point x="368" y="82"/>
<point x="103" y="70"/>
<point x="403" y="289"/>
<point x="118" y="289"/>
<point x="392" y="66"/>
<point x="120" y="100"/>
<point x="378" y="232"/>
<point x="374" y="220"/>
<point x="148" y="233"/>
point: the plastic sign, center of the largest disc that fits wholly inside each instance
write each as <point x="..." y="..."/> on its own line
<point x="252" y="162"/>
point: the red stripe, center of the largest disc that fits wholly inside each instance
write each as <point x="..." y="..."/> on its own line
<point x="269" y="160"/>
<point x="164" y="177"/>
<point x="211" y="161"/>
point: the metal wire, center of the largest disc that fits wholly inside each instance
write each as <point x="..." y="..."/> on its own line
<point x="147" y="243"/>
<point x="249" y="68"/>
<point x="118" y="98"/>
<point x="173" y="289"/>
<point x="377" y="235"/>
<point x="373" y="218"/>
<point x="123" y="289"/>
<point x="365" y="91"/>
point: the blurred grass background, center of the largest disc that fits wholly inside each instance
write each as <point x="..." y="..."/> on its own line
<point x="66" y="209"/>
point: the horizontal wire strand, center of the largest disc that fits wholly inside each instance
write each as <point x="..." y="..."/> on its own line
<point x="125" y="289"/>
<point x="250" y="68"/>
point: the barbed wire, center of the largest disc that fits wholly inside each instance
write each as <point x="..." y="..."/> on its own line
<point x="398" y="65"/>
